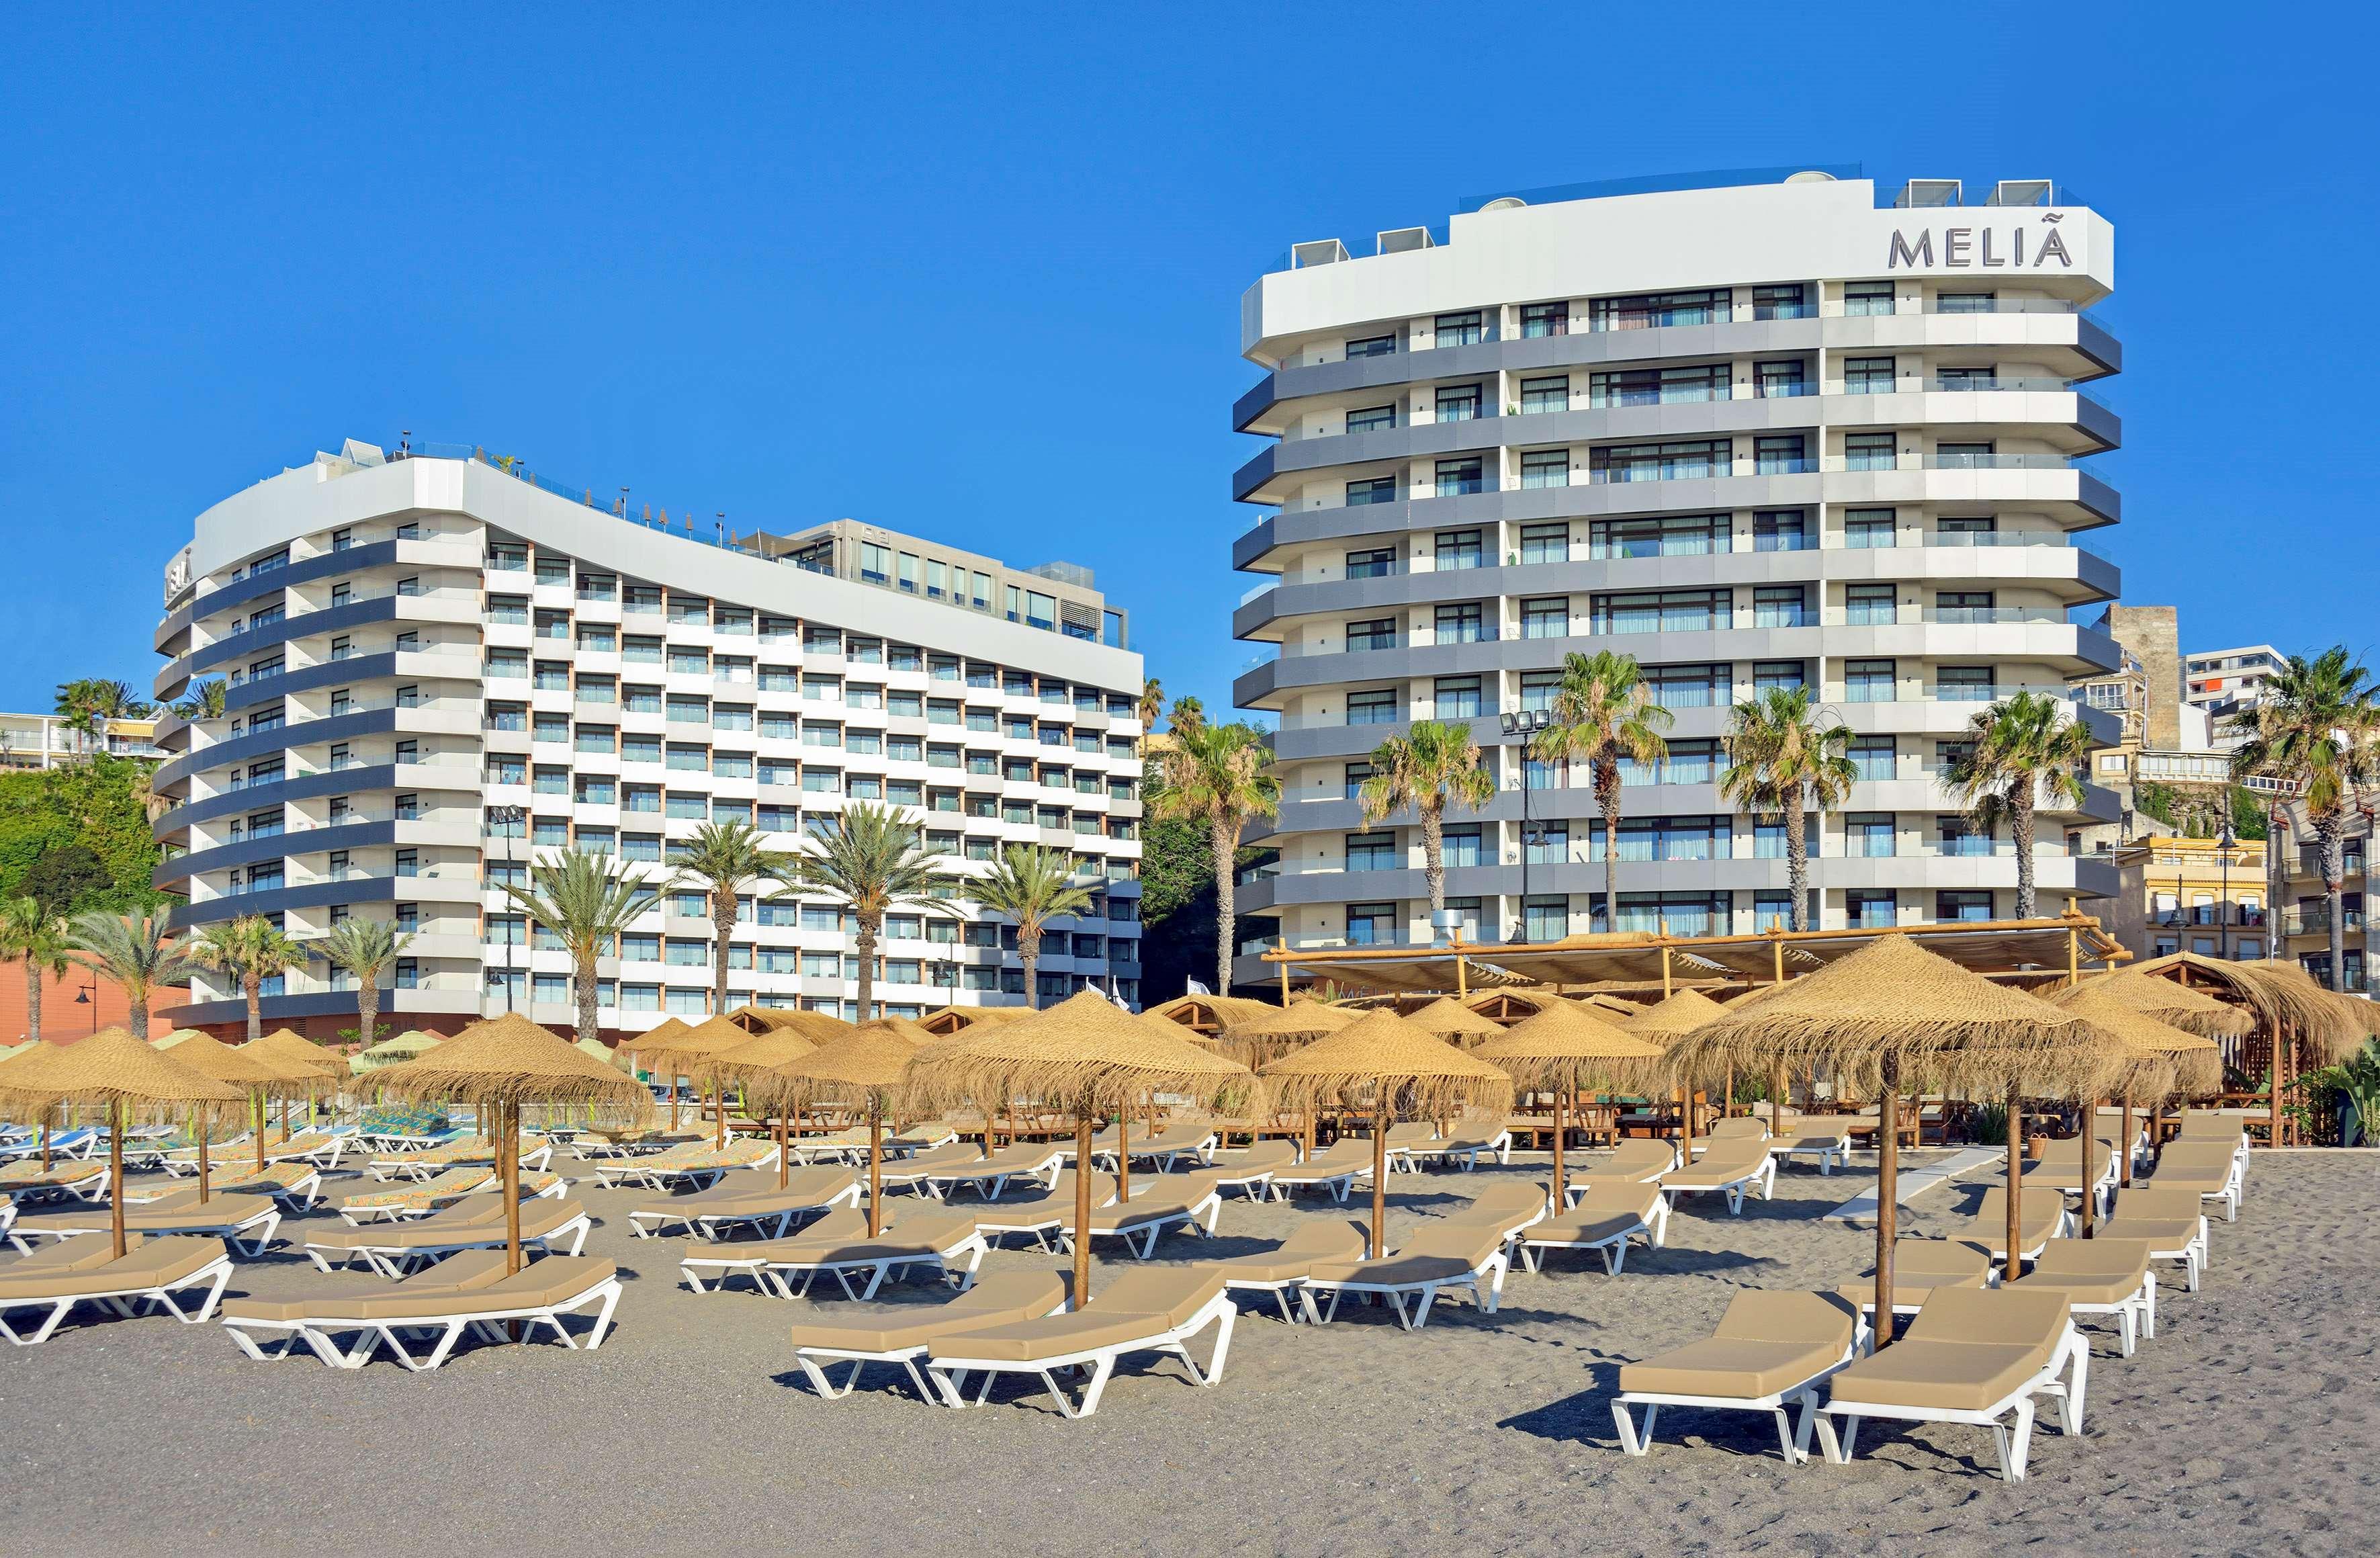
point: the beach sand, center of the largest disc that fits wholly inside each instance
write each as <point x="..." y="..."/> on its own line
<point x="2250" y="1425"/>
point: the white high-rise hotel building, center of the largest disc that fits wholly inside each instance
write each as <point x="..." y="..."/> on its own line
<point x="1763" y="431"/>
<point x="439" y="669"/>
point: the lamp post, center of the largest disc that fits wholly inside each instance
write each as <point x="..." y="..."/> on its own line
<point x="507" y="819"/>
<point x="83" y="998"/>
<point x="1525" y="724"/>
<point x="2225" y="843"/>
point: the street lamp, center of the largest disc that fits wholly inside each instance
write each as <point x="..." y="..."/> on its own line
<point x="83" y="998"/>
<point x="1525" y="724"/>
<point x="507" y="820"/>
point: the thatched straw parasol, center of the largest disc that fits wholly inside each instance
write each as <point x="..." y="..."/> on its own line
<point x="292" y="1046"/>
<point x="121" y="1074"/>
<point x="1210" y="1014"/>
<point x="2193" y="1065"/>
<point x="778" y="1047"/>
<point x="867" y="1059"/>
<point x="1665" y="1023"/>
<point x="1282" y="1027"/>
<point x="393" y="1052"/>
<point x="656" y="1038"/>
<point x="254" y="1072"/>
<point x="2287" y="1006"/>
<point x="1449" y="1019"/>
<point x="1891" y="1012"/>
<point x="689" y="1052"/>
<point x="2177" y="1005"/>
<point x="1567" y="1047"/>
<point x="1084" y="1055"/>
<point x="499" y="1065"/>
<point x="1389" y="1057"/>
<point x="956" y="1019"/>
<point x="167" y="1041"/>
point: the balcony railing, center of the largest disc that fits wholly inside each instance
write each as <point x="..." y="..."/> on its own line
<point x="2316" y="921"/>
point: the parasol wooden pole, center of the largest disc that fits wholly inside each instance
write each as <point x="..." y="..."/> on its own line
<point x="1082" y="1290"/>
<point x="202" y="1165"/>
<point x="116" y="1115"/>
<point x="1727" y="1099"/>
<point x="509" y="1153"/>
<point x="264" y="1123"/>
<point x="2015" y="1185"/>
<point x="1561" y="1187"/>
<point x="1380" y="1172"/>
<point x="2090" y="1135"/>
<point x="785" y="1152"/>
<point x="875" y="1163"/>
<point x="1664" y="973"/>
<point x="45" y="1146"/>
<point x="1284" y="982"/>
<point x="1888" y="1193"/>
<point x="1123" y="1153"/>
<point x="2273" y="1127"/>
<point x="672" y="1092"/>
<point x="2124" y="1147"/>
<point x="1777" y="1100"/>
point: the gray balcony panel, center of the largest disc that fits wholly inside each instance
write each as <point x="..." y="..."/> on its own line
<point x="263" y="743"/>
<point x="331" y="673"/>
<point x="274" y="846"/>
<point x="362" y="780"/>
<point x="311" y="894"/>
<point x="225" y="651"/>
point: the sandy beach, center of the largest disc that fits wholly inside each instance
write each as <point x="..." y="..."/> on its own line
<point x="2250" y="1425"/>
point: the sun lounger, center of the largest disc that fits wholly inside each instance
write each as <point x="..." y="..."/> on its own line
<point x="900" y="1334"/>
<point x="1251" y="1173"/>
<point x="1812" y="1137"/>
<point x="1604" y="1219"/>
<point x="913" y="1172"/>
<point x="1641" y="1159"/>
<point x="1445" y="1253"/>
<point x="1735" y="1127"/>
<point x="73" y="1271"/>
<point x="1045" y="1217"/>
<point x="838" y="1246"/>
<point x="1334" y="1171"/>
<point x="413" y="1200"/>
<point x="1183" y="1201"/>
<point x="614" y="1172"/>
<point x="2215" y="1169"/>
<point x="246" y="1223"/>
<point x="923" y="1136"/>
<point x="592" y="1145"/>
<point x="1147" y="1309"/>
<point x="296" y="1184"/>
<point x="393" y="1250"/>
<point x="1971" y="1356"/>
<point x="1728" y="1167"/>
<point x="26" y="1180"/>
<point x="1770" y="1353"/>
<point x="988" y="1177"/>
<point x="2059" y="1171"/>
<point x="1408" y="1143"/>
<point x="2101" y="1277"/>
<point x="1465" y="1143"/>
<point x="2046" y="1217"/>
<point x="427" y="1164"/>
<point x="710" y="1213"/>
<point x="837" y="1146"/>
<point x="1284" y="1268"/>
<point x="467" y="1295"/>
<point x="2206" y="1125"/>
<point x="1162" y="1149"/>
<point x="2172" y="1222"/>
<point x="1919" y="1266"/>
<point x="707" y="1166"/>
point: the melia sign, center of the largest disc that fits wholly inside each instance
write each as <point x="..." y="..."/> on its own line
<point x="2018" y="247"/>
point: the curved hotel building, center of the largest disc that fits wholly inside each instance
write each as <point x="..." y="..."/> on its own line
<point x="439" y="668"/>
<point x="1765" y="432"/>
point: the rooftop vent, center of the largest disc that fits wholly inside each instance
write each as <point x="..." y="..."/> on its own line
<point x="1928" y="193"/>
<point x="1811" y="176"/>
<point x="1506" y="203"/>
<point x="1321" y="251"/>
<point x="1402" y="240"/>
<point x="2022" y="191"/>
<point x="355" y="451"/>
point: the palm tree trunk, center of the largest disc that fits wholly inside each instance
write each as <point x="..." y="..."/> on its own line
<point x="1433" y="855"/>
<point x="585" y="994"/>
<point x="722" y="927"/>
<point x="1797" y="867"/>
<point x="2021" y="832"/>
<point x="367" y="1007"/>
<point x="1607" y="800"/>
<point x="34" y="972"/>
<point x="2331" y="828"/>
<point x="1223" y="836"/>
<point x="1028" y="947"/>
<point x="137" y="1019"/>
<point x="253" y="984"/>
<point x="866" y="941"/>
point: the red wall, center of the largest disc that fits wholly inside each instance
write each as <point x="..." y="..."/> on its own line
<point x="62" y="1020"/>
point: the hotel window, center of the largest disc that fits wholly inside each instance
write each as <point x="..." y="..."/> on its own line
<point x="1868" y="376"/>
<point x="1545" y="468"/>
<point x="552" y="569"/>
<point x="1778" y="675"/>
<point x="1460" y="624"/>
<point x="905" y="571"/>
<point x="1544" y="319"/>
<point x="1954" y="906"/>
<point x="1962" y="684"/>
<point x="1962" y="456"/>
<point x="1659" y="386"/>
<point x="1460" y="846"/>
<point x="1456" y="697"/>
<point x="1377" y="563"/>
<point x="640" y="697"/>
<point x="1538" y="395"/>
<point x="1371" y="489"/>
<point x="1964" y="606"/>
<point x="1867" y="528"/>
<point x="545" y="727"/>
<point x="1964" y="302"/>
<point x="1689" y="762"/>
<point x="1371" y="924"/>
<point x="1684" y="535"/>
<point x="1648" y="311"/>
<point x="1869" y="605"/>
<point x="1869" y="451"/>
<point x="1958" y="838"/>
<point x="1871" y="909"/>
<point x="1663" y="611"/>
<point x="1781" y="381"/>
<point x="937" y="578"/>
<point x="1961" y="529"/>
<point x="640" y="648"/>
<point x="1869" y="835"/>
<point x="1379" y="633"/>
<point x="1458" y="330"/>
<point x="1372" y="852"/>
<point x="1373" y="708"/>
<point x="1372" y="346"/>
<point x="1457" y="477"/>
<point x="1545" y="843"/>
<point x="1546" y="617"/>
<point x="1780" y="529"/>
<point x="644" y="599"/>
<point x="1780" y="302"/>
<point x="1545" y="543"/>
<point x="1778" y="454"/>
<point x="1868" y="681"/>
<point x="1677" y="460"/>
<point x="509" y="609"/>
<point x="1681" y="914"/>
<point x="551" y="780"/>
<point x="1371" y="419"/>
<point x="1457" y="549"/>
<point x="1861" y="298"/>
<point x="1357" y="772"/>
<point x="1767" y="840"/>
<point x="1872" y="758"/>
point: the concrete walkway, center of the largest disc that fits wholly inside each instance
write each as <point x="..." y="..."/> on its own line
<point x="1912" y="1183"/>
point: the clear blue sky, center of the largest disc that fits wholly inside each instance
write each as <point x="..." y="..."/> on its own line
<point x="975" y="271"/>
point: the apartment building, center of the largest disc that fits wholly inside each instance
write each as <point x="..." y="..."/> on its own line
<point x="443" y="666"/>
<point x="47" y="741"/>
<point x="2232" y="681"/>
<point x="1757" y="431"/>
<point x="2304" y="907"/>
<point x="2200" y="895"/>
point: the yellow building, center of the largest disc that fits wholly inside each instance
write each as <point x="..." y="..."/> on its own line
<point x="2193" y="895"/>
<point x="2305" y="913"/>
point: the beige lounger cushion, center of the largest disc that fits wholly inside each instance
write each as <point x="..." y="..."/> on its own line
<point x="66" y="1269"/>
<point x="468" y="1271"/>
<point x="1919" y="1266"/>
<point x="1343" y="1156"/>
<point x="1634" y="1159"/>
<point x="1172" y="1196"/>
<point x="538" y="1219"/>
<point x="1000" y="1299"/>
<point x="1727" y="1161"/>
<point x="220" y="1211"/>
<point x="806" y="1187"/>
<point x="1135" y="1304"/>
<point x="1024" y="1157"/>
<point x="1034" y="1212"/>
<point x="1275" y="1154"/>
<point x="2099" y="1271"/>
<point x="1503" y="1206"/>
<point x="534" y="1286"/>
<point x="1604" y="1212"/>
<point x="922" y="1233"/>
<point x="2041" y="1216"/>
<point x="1297" y="1255"/>
<point x="1445" y="1251"/>
<point x="2156" y="1203"/>
<point x="1739" y="1126"/>
<point x="1767" y="1342"/>
<point x="958" y="1154"/>
<point x="1967" y="1349"/>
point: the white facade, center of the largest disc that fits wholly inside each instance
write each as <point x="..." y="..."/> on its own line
<point x="2230" y="681"/>
<point x="418" y="645"/>
<point x="1751" y="434"/>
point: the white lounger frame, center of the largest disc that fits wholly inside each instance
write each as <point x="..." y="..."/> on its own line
<point x="397" y="1261"/>
<point x="1253" y="1186"/>
<point x="1146" y="1230"/>
<point x="1165" y="1155"/>
<point x="1446" y="1149"/>
<point x="320" y="1332"/>
<point x="122" y="1301"/>
<point x="237" y="1234"/>
<point x="814" y="1361"/>
<point x="777" y="1275"/>
<point x="708" y="1226"/>
<point x="1792" y="1428"/>
<point x="2014" y="1441"/>
<point x="1764" y="1176"/>
<point x="1286" y="1182"/>
<point x="1613" y="1247"/>
<point x="941" y="1181"/>
<point x="949" y="1374"/>
<point x="1833" y="1150"/>
<point x="1489" y="1271"/>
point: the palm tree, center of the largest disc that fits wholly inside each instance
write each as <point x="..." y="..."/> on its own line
<point x="1189" y="716"/>
<point x="586" y="898"/>
<point x="1032" y="886"/>
<point x="1780" y="761"/>
<point x="1220" y="775"/>
<point x="131" y="953"/>
<point x="876" y="861"/>
<point x="722" y="861"/>
<point x="255" y="950"/>
<point x="87" y="705"/>
<point x="1431" y="766"/>
<point x="201" y="700"/>
<point x="368" y="949"/>
<point x="1604" y="715"/>
<point x="30" y="935"/>
<point x="2023" y="749"/>
<point x="2314" y="729"/>
<point x="1153" y="704"/>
